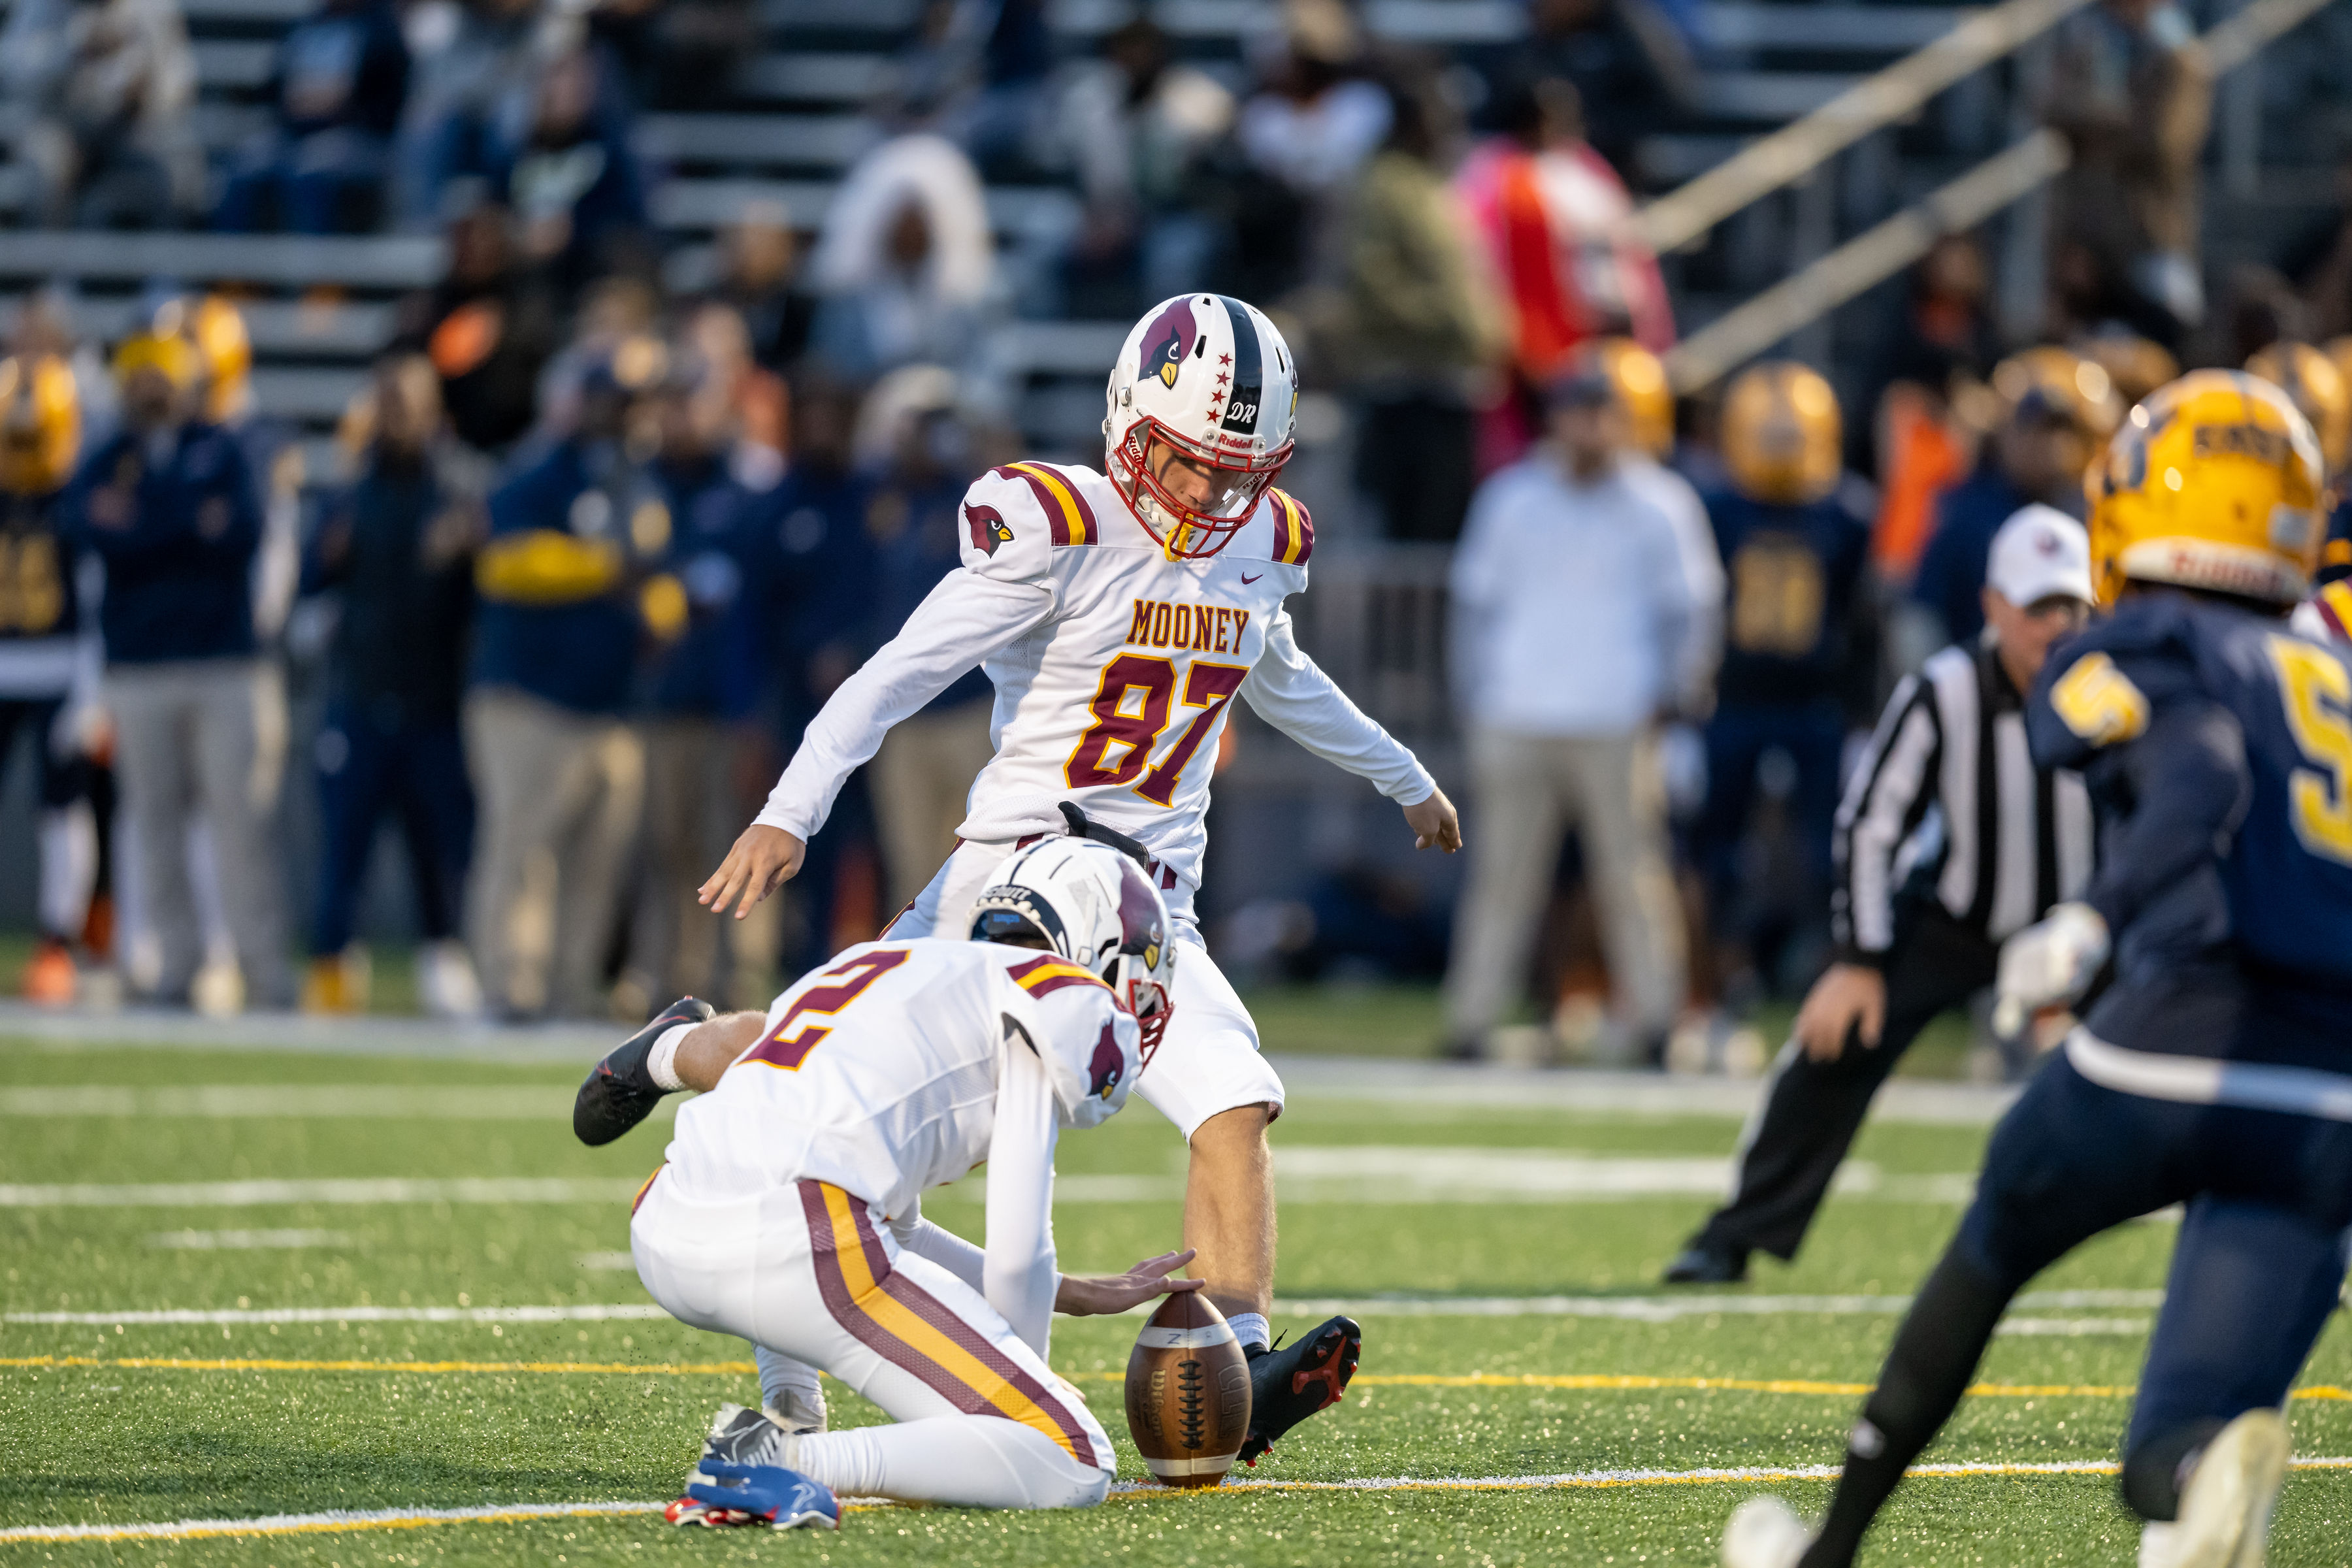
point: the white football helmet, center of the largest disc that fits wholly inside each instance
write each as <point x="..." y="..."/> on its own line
<point x="1203" y="402"/>
<point x="1096" y="909"/>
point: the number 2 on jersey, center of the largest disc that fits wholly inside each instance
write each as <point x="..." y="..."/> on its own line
<point x="1147" y="687"/>
<point x="2321" y="797"/>
<point x="783" y="1049"/>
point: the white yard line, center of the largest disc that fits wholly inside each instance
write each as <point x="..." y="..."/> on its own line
<point x="246" y="1240"/>
<point x="1638" y="1308"/>
<point x="359" y="1190"/>
<point x="372" y="1101"/>
<point x="412" y="1518"/>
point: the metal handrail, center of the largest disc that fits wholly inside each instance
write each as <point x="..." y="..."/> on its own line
<point x="1868" y="259"/>
<point x="1688" y="212"/>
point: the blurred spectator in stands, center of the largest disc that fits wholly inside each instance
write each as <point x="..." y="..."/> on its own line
<point x="468" y="54"/>
<point x="1629" y="61"/>
<point x="101" y="94"/>
<point x="2133" y="103"/>
<point x="2261" y="308"/>
<point x="397" y="548"/>
<point x="560" y="155"/>
<point x="756" y="406"/>
<point x="713" y="488"/>
<point x="1915" y="446"/>
<point x="2319" y="259"/>
<point x="341" y="79"/>
<point x="1551" y="214"/>
<point x="1135" y="124"/>
<point x="567" y="588"/>
<point x="905" y="267"/>
<point x="1800" y="658"/>
<point x="1311" y="126"/>
<point x="759" y="276"/>
<point x="2134" y="366"/>
<point x="169" y="508"/>
<point x="489" y="327"/>
<point x="809" y="619"/>
<point x="676" y="54"/>
<point x="924" y="454"/>
<point x="614" y="312"/>
<point x="1577" y="632"/>
<point x="48" y="686"/>
<point x="2053" y="413"/>
<point x="1421" y="330"/>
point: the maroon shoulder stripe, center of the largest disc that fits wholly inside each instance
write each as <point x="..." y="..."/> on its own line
<point x="1057" y="527"/>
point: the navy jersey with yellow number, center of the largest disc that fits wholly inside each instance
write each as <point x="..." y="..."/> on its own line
<point x="2217" y="744"/>
<point x="1793" y="576"/>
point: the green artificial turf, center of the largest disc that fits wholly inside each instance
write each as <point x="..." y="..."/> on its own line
<point x="613" y="1410"/>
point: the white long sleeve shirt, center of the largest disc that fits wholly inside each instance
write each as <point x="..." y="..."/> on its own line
<point x="1573" y="609"/>
<point x="1114" y="669"/>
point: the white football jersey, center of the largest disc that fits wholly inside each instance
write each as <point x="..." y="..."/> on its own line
<point x="1115" y="669"/>
<point x="880" y="1073"/>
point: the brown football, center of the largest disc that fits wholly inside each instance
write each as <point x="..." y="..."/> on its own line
<point x="1187" y="1393"/>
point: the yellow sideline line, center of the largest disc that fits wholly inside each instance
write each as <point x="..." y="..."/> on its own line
<point x="197" y="1529"/>
<point x="1621" y="1382"/>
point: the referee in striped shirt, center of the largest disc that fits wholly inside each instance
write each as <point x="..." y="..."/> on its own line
<point x="1949" y="840"/>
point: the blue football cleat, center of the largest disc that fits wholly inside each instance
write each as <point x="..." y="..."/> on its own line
<point x="719" y="1494"/>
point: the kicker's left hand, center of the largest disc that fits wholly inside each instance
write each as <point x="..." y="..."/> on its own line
<point x="1434" y="825"/>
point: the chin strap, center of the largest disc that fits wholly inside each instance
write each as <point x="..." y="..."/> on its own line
<point x="1081" y="826"/>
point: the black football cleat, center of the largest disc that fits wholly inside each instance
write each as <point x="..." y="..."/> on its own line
<point x="1289" y="1385"/>
<point x="1705" y="1262"/>
<point x="619" y="1092"/>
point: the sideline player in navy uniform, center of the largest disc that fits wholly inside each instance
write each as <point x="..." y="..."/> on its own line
<point x="2215" y="1071"/>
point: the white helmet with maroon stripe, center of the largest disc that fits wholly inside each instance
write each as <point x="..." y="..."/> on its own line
<point x="1096" y="909"/>
<point x="1201" y="404"/>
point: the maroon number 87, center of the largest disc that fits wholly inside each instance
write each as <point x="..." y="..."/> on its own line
<point x="784" y="1050"/>
<point x="1208" y="687"/>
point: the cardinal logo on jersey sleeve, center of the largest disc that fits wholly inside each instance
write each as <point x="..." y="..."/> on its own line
<point x="1166" y="343"/>
<point x="1107" y="1066"/>
<point x="987" y="528"/>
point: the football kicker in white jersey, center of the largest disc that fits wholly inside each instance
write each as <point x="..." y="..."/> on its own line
<point x="1120" y="615"/>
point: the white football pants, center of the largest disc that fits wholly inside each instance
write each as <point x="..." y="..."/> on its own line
<point x="811" y="1272"/>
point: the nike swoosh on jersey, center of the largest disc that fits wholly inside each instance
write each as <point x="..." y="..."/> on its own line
<point x="1247" y="578"/>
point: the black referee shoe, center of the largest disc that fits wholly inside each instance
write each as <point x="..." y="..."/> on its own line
<point x="620" y="1093"/>
<point x="1706" y="1262"/>
<point x="1288" y="1385"/>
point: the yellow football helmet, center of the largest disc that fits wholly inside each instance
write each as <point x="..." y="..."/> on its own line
<point x="2134" y="366"/>
<point x="2065" y="382"/>
<point x="2213" y="483"/>
<point x="1642" y="389"/>
<point x="168" y="353"/>
<point x="2316" y="385"/>
<point x="1781" y="434"/>
<point x="40" y="424"/>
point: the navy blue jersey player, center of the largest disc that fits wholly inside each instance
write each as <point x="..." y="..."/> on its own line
<point x="2215" y="1069"/>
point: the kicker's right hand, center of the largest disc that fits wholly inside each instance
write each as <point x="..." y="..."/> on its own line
<point x="764" y="860"/>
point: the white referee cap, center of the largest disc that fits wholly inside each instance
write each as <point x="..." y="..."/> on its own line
<point x="2040" y="554"/>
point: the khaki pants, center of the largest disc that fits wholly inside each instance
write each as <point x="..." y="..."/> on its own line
<point x="206" y="737"/>
<point x="921" y="777"/>
<point x="678" y="948"/>
<point x="1528" y="789"/>
<point x="559" y="794"/>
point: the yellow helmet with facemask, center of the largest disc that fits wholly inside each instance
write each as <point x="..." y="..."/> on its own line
<point x="2213" y="483"/>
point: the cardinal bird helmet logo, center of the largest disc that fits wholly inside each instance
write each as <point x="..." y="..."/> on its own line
<point x="1166" y="343"/>
<point x="988" y="529"/>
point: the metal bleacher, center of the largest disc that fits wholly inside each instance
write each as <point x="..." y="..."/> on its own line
<point x="793" y="118"/>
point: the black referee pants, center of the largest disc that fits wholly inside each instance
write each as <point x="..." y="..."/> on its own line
<point x="1811" y="1109"/>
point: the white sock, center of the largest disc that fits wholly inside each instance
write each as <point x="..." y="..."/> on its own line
<point x="780" y="1375"/>
<point x="966" y="1461"/>
<point x="662" y="1065"/>
<point x="1251" y="1329"/>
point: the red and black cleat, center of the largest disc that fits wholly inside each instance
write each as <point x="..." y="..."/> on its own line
<point x="1289" y="1385"/>
<point x="619" y="1092"/>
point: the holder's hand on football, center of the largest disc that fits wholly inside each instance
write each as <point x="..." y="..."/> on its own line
<point x="762" y="859"/>
<point x="1096" y="1295"/>
<point x="1433" y="824"/>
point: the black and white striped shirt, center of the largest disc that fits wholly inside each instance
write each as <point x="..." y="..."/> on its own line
<point x="1948" y="792"/>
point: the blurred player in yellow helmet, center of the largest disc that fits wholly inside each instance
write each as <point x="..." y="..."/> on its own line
<point x="2050" y="411"/>
<point x="1793" y="532"/>
<point x="2211" y="1070"/>
<point x="2134" y="366"/>
<point x="40" y="439"/>
<point x="2317" y="389"/>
